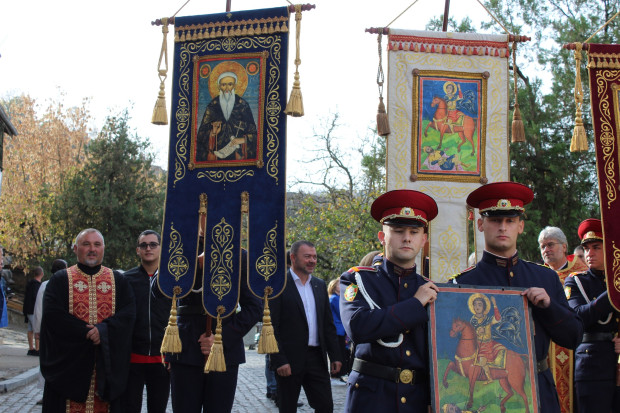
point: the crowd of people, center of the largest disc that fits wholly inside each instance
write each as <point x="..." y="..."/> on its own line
<point x="368" y="327"/>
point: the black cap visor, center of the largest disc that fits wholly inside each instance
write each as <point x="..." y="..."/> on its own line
<point x="404" y="222"/>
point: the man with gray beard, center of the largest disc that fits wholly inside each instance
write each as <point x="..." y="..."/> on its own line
<point x="227" y="130"/>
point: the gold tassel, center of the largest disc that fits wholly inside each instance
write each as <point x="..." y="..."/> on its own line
<point x="160" y="114"/>
<point x="295" y="106"/>
<point x="518" y="130"/>
<point x="216" y="361"/>
<point x="267" y="342"/>
<point x="383" y="124"/>
<point x="171" y="342"/>
<point x="579" y="142"/>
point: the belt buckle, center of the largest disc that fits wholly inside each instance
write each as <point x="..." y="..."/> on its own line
<point x="405" y="376"/>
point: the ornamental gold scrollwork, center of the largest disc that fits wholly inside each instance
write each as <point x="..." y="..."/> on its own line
<point x="273" y="109"/>
<point x="616" y="266"/>
<point x="225" y="176"/>
<point x="448" y="255"/>
<point x="266" y="264"/>
<point x="178" y="263"/>
<point x="221" y="259"/>
<point x="604" y="79"/>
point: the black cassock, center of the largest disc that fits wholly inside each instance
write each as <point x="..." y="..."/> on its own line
<point x="68" y="357"/>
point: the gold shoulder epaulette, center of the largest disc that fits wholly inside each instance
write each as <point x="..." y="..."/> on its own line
<point x="358" y="269"/>
<point x="466" y="270"/>
<point x="537" y="263"/>
<point x="572" y="274"/>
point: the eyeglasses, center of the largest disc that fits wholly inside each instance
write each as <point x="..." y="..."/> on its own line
<point x="548" y="245"/>
<point x="146" y="245"/>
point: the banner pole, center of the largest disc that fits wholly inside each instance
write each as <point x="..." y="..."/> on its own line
<point x="446" y="12"/>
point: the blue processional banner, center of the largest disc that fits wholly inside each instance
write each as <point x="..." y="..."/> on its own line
<point x="226" y="169"/>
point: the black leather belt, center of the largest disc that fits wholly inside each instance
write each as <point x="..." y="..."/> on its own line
<point x="542" y="365"/>
<point x="590" y="337"/>
<point x="191" y="310"/>
<point x="392" y="374"/>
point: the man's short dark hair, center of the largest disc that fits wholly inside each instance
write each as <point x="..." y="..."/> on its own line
<point x="58" y="264"/>
<point x="297" y="244"/>
<point x="37" y="271"/>
<point x="149" y="232"/>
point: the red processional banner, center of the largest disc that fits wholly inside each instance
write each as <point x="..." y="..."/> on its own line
<point x="604" y="71"/>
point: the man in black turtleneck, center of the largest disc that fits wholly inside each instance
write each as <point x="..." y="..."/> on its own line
<point x="596" y="357"/>
<point x="86" y="332"/>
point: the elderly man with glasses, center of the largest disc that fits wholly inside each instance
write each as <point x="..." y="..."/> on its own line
<point x="554" y="252"/>
<point x="152" y="312"/>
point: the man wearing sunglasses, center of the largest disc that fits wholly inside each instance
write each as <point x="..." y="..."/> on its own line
<point x="152" y="312"/>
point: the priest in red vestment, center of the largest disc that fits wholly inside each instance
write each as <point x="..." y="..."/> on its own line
<point x="88" y="316"/>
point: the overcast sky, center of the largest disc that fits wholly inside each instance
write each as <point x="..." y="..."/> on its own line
<point x="108" y="51"/>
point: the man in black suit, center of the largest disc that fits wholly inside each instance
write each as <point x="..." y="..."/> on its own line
<point x="306" y="335"/>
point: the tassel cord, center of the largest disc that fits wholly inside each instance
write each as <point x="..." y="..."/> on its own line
<point x="267" y="342"/>
<point x="216" y="360"/>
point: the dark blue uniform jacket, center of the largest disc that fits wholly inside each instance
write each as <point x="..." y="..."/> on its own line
<point x="396" y="312"/>
<point x="558" y="322"/>
<point x="595" y="360"/>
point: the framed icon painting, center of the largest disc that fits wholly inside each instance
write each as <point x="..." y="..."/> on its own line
<point x="482" y="351"/>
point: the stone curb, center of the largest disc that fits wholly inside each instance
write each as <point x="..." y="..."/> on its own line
<point x="20" y="380"/>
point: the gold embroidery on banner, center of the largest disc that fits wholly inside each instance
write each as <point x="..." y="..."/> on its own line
<point x="178" y="264"/>
<point x="266" y="264"/>
<point x="616" y="266"/>
<point x="399" y="110"/>
<point x="270" y="102"/>
<point x="443" y="192"/>
<point x="607" y="138"/>
<point x="221" y="259"/>
<point x="448" y="254"/>
<point x="225" y="176"/>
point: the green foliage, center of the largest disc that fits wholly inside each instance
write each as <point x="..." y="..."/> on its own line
<point x="117" y="191"/>
<point x="564" y="183"/>
<point x="337" y="218"/>
<point x="341" y="229"/>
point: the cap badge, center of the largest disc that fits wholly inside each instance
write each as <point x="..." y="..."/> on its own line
<point x="503" y="203"/>
<point x="590" y="234"/>
<point x="406" y="211"/>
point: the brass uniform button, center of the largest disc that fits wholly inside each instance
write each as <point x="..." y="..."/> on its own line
<point x="408" y="352"/>
<point x="407" y="331"/>
<point x="512" y="274"/>
<point x="403" y="400"/>
<point x="357" y="385"/>
<point x="406" y="285"/>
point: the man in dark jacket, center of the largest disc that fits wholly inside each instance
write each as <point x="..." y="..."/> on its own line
<point x="152" y="312"/>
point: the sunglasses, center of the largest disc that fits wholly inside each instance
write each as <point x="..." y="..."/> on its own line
<point x="146" y="245"/>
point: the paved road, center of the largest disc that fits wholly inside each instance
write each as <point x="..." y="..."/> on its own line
<point x="250" y="395"/>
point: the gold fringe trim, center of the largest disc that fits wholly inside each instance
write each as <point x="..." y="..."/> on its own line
<point x="160" y="114"/>
<point x="295" y="106"/>
<point x="267" y="343"/>
<point x="171" y="342"/>
<point x="579" y="142"/>
<point x="214" y="30"/>
<point x="603" y="60"/>
<point x="216" y="361"/>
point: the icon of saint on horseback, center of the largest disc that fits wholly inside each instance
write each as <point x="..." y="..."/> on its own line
<point x="479" y="356"/>
<point x="455" y="112"/>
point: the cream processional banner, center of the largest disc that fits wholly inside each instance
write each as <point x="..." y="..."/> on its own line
<point x="448" y="99"/>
